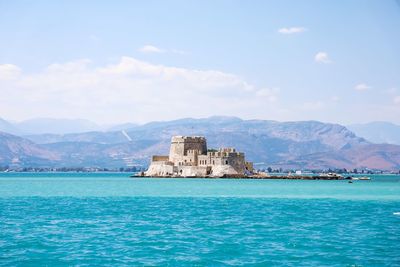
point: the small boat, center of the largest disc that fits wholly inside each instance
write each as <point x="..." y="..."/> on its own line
<point x="364" y="178"/>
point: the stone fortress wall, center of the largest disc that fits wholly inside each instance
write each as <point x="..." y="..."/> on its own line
<point x="189" y="157"/>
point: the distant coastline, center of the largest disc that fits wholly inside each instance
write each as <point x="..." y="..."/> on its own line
<point x="136" y="171"/>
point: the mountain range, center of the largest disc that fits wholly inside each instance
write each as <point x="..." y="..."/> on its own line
<point x="379" y="132"/>
<point x="295" y="145"/>
<point x="49" y="125"/>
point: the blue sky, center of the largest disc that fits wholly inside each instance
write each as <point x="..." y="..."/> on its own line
<point x="119" y="61"/>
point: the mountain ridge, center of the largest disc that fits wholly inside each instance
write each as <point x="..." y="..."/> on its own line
<point x="299" y="144"/>
<point x="378" y="132"/>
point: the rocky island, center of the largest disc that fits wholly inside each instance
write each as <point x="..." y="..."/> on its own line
<point x="190" y="157"/>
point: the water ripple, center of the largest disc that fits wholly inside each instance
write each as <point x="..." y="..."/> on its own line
<point x="127" y="231"/>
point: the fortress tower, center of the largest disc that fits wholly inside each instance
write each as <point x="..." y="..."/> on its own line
<point x="183" y="146"/>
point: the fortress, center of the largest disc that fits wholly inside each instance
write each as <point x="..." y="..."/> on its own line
<point x="189" y="157"/>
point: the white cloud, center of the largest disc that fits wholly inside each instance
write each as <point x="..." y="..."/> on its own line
<point x="153" y="49"/>
<point x="322" y="57"/>
<point x="130" y="90"/>
<point x="150" y="49"/>
<point x="292" y="30"/>
<point x="9" y="71"/>
<point x="362" y="87"/>
<point x="396" y="100"/>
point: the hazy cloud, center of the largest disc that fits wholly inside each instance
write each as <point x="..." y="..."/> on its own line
<point x="396" y="100"/>
<point x="362" y="87"/>
<point x="292" y="30"/>
<point x="322" y="57"/>
<point x="9" y="71"/>
<point x="179" y="52"/>
<point x="129" y="90"/>
<point x="271" y="95"/>
<point x="153" y="49"/>
<point x="150" y="49"/>
<point x="335" y="98"/>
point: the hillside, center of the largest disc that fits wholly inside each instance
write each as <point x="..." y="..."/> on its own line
<point x="18" y="151"/>
<point x="371" y="156"/>
<point x="305" y="144"/>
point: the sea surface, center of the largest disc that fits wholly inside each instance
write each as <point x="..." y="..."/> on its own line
<point x="103" y="219"/>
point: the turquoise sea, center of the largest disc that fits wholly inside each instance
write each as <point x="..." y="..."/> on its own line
<point x="103" y="219"/>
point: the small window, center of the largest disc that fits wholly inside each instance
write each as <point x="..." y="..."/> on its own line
<point x="226" y="162"/>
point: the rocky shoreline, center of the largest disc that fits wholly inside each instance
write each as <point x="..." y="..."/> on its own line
<point x="255" y="176"/>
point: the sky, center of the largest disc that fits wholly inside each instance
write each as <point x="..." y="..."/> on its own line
<point x="140" y="61"/>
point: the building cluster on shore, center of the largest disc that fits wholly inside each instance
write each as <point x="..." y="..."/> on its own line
<point x="189" y="157"/>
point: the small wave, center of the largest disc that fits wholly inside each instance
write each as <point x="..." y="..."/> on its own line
<point x="396" y="213"/>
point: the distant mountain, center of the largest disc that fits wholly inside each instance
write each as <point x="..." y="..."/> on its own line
<point x="124" y="126"/>
<point x="265" y="141"/>
<point x="49" y="126"/>
<point x="18" y="151"/>
<point x="378" y="132"/>
<point x="89" y="154"/>
<point x="113" y="137"/>
<point x="57" y="126"/>
<point x="304" y="144"/>
<point x="372" y="156"/>
<point x="8" y="127"/>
